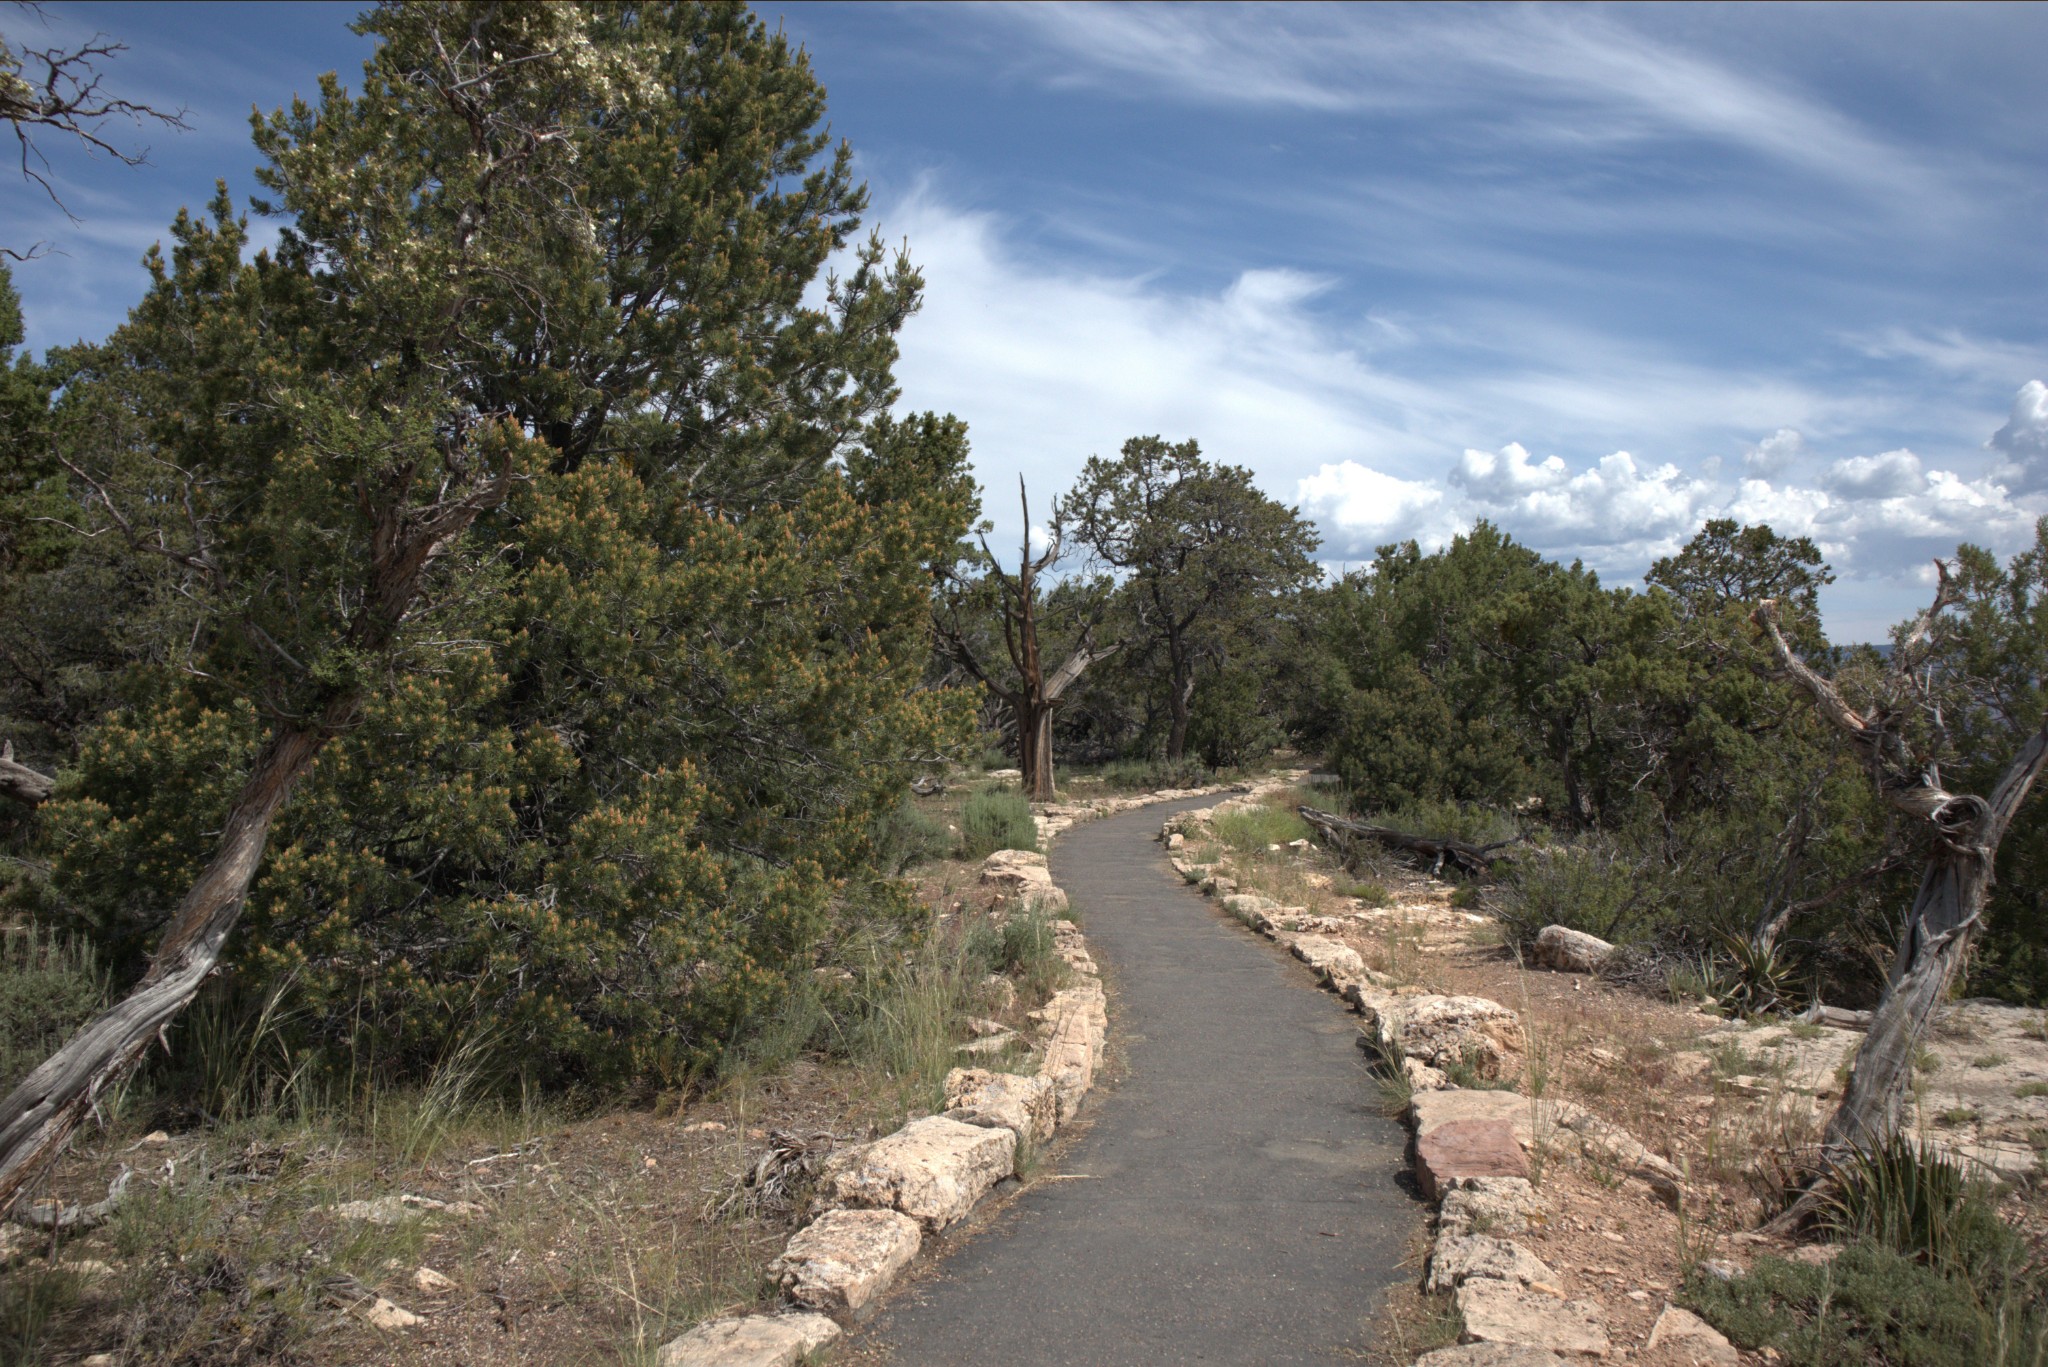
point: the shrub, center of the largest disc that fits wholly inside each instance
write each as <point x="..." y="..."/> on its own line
<point x="906" y="836"/>
<point x="1590" y="885"/>
<point x="49" y="984"/>
<point x="1874" y="1307"/>
<point x="1907" y="1196"/>
<point x="999" y="819"/>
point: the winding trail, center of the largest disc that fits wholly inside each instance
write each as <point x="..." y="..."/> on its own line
<point x="1238" y="1196"/>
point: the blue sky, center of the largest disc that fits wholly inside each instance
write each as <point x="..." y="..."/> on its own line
<point x="1595" y="273"/>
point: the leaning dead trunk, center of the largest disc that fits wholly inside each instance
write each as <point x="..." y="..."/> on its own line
<point x="1965" y="832"/>
<point x="40" y="1114"/>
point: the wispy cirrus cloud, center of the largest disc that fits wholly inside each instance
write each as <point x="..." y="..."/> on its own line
<point x="1544" y="75"/>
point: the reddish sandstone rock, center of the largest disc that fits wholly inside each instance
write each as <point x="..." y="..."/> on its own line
<point x="1467" y="1148"/>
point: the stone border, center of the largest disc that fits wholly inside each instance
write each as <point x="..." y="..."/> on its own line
<point x="879" y="1200"/>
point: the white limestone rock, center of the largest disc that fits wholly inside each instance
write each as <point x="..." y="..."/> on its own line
<point x="1571" y="951"/>
<point x="1457" y="1258"/>
<point x="844" y="1259"/>
<point x="1685" y="1337"/>
<point x="1499" y="1206"/>
<point x="1490" y="1355"/>
<point x="1075" y="1023"/>
<point x="1020" y="876"/>
<point x="1502" y="1312"/>
<point x="1027" y="1105"/>
<point x="749" y="1341"/>
<point x="932" y="1170"/>
<point x="1329" y="956"/>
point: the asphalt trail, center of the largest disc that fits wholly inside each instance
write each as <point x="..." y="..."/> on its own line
<point x="1237" y="1197"/>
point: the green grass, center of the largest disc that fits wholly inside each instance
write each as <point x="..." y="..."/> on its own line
<point x="999" y="819"/>
<point x="2027" y="1089"/>
<point x="1252" y="830"/>
<point x="1371" y="893"/>
<point x="50" y="983"/>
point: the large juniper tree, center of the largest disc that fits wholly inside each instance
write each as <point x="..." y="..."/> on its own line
<point x="522" y="490"/>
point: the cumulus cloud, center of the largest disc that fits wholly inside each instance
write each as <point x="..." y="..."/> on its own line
<point x="1770" y="457"/>
<point x="1891" y="474"/>
<point x="2023" y="441"/>
<point x="1359" y="508"/>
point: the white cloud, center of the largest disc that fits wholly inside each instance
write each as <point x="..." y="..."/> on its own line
<point x="1890" y="474"/>
<point x="2024" y="440"/>
<point x="1769" y="457"/>
<point x="1557" y="76"/>
<point x="1359" y="508"/>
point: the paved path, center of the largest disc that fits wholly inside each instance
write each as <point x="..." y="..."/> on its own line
<point x="1235" y="1200"/>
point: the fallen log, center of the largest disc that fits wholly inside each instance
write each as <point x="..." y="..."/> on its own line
<point x="1439" y="850"/>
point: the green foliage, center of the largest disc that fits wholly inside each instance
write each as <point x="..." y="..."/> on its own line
<point x="1251" y="830"/>
<point x="1208" y="562"/>
<point x="50" y="983"/>
<point x="627" y="770"/>
<point x="1874" y="1307"/>
<point x="1928" y="1274"/>
<point x="996" y="819"/>
<point x="906" y="836"/>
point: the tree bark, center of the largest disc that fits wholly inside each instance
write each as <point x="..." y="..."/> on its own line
<point x="1965" y="830"/>
<point x="1438" y="849"/>
<point x="23" y="784"/>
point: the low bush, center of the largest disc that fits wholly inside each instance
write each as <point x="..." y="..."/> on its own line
<point x="999" y="819"/>
<point x="1928" y="1275"/>
<point x="49" y="984"/>
<point x="906" y="836"/>
<point x="1591" y="885"/>
<point x="1149" y="775"/>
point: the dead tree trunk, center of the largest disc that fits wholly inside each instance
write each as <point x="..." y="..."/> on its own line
<point x="23" y="784"/>
<point x="1438" y="850"/>
<point x="1031" y="700"/>
<point x="1965" y="831"/>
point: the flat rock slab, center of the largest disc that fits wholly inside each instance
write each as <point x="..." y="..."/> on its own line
<point x="1502" y="1312"/>
<point x="1465" y="1105"/>
<point x="1027" y="1105"/>
<point x="1458" y="1258"/>
<point x="1490" y="1355"/>
<point x="1022" y="875"/>
<point x="749" y="1341"/>
<point x="1326" y="955"/>
<point x="933" y="1170"/>
<point x="841" y="1261"/>
<point x="1075" y="1023"/>
<point x="1688" y="1338"/>
<point x="1467" y="1148"/>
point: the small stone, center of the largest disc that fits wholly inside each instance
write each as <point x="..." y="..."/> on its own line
<point x="1501" y="1312"/>
<point x="1814" y="1255"/>
<point x="1688" y="1338"/>
<point x="845" y="1259"/>
<point x="431" y="1282"/>
<point x="99" y="1360"/>
<point x="1467" y="1148"/>
<point x="1641" y="1297"/>
<point x="1002" y="992"/>
<point x="382" y="1314"/>
<point x="749" y="1341"/>
<point x="153" y="1138"/>
<point x="705" y="1127"/>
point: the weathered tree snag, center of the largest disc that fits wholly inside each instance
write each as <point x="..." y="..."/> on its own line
<point x="23" y="784"/>
<point x="1032" y="699"/>
<point x="1966" y="830"/>
<point x="1439" y="850"/>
